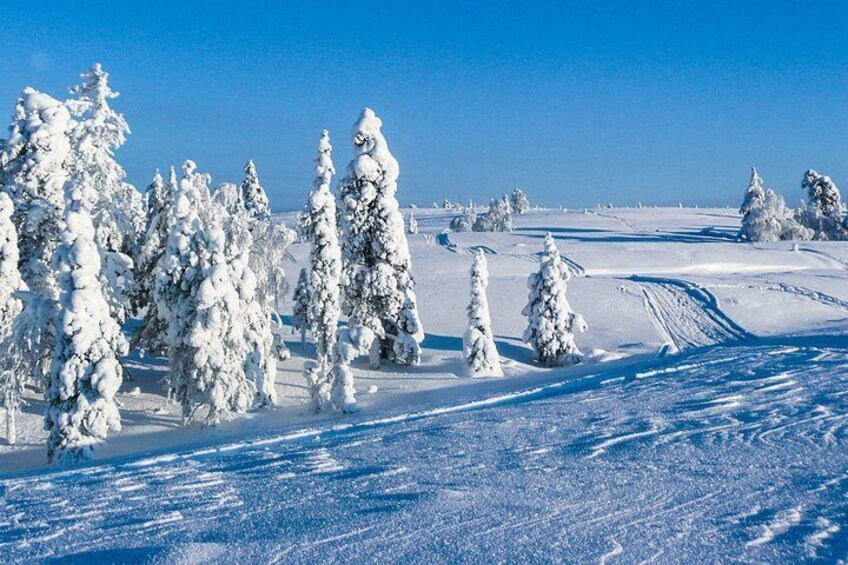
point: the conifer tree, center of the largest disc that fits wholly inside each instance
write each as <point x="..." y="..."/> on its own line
<point x="377" y="280"/>
<point x="412" y="225"/>
<point x="86" y="372"/>
<point x="478" y="343"/>
<point x="253" y="195"/>
<point x="551" y="322"/>
<point x="300" y="308"/>
<point x="754" y="194"/>
<point x="518" y="201"/>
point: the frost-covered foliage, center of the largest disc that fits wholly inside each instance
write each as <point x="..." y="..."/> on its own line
<point x="86" y="372"/>
<point x="464" y="222"/>
<point x="755" y="194"/>
<point x="117" y="208"/>
<point x="35" y="163"/>
<point x="378" y="285"/>
<point x="412" y="224"/>
<point x="551" y="322"/>
<point x="518" y="201"/>
<point x="498" y="218"/>
<point x="767" y="219"/>
<point x="824" y="212"/>
<point x="11" y="381"/>
<point x="478" y="343"/>
<point x="152" y="333"/>
<point x="229" y="196"/>
<point x="319" y="219"/>
<point x="253" y="195"/>
<point x="300" y="309"/>
<point x="196" y="293"/>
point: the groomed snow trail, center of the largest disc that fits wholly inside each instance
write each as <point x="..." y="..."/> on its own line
<point x="687" y="315"/>
<point x="725" y="454"/>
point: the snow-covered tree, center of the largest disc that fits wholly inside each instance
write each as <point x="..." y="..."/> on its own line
<point x="253" y="195"/>
<point x="478" y="343"/>
<point x="755" y="194"/>
<point x="117" y="207"/>
<point x="824" y="212"/>
<point x="519" y="202"/>
<point x="464" y="222"/>
<point x="377" y="279"/>
<point x="551" y="322"/>
<point x="412" y="225"/>
<point x="86" y="372"/>
<point x="768" y="219"/>
<point x="229" y="196"/>
<point x="498" y="218"/>
<point x="300" y="310"/>
<point x="11" y="381"/>
<point x="34" y="166"/>
<point x="196" y="293"/>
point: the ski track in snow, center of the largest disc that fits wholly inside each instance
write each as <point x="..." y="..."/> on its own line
<point x="814" y="295"/>
<point x="704" y="457"/>
<point x="687" y="315"/>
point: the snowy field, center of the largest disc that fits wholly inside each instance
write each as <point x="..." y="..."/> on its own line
<point x="707" y="425"/>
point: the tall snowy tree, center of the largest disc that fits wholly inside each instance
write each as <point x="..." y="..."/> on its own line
<point x="34" y="166"/>
<point x="377" y="280"/>
<point x="551" y="322"/>
<point x="412" y="225"/>
<point x="300" y="310"/>
<point x="86" y="372"/>
<point x="755" y="194"/>
<point x="518" y="201"/>
<point x="478" y="343"/>
<point x="196" y="294"/>
<point x="117" y="207"/>
<point x="253" y="195"/>
<point x="824" y="212"/>
<point x="319" y="219"/>
<point x="11" y="381"/>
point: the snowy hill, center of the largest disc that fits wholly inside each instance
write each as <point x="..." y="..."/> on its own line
<point x="708" y="423"/>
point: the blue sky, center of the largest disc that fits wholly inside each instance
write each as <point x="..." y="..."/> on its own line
<point x="577" y="102"/>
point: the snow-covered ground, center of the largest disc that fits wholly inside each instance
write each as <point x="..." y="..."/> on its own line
<point x="708" y="424"/>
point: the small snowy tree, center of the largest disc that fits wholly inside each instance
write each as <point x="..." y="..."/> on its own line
<point x="498" y="218"/>
<point x="478" y="343"/>
<point x="412" y="226"/>
<point x="519" y="202"/>
<point x="300" y="309"/>
<point x="11" y="381"/>
<point x="464" y="222"/>
<point x="253" y="195"/>
<point x="551" y="322"/>
<point x="754" y="195"/>
<point x="117" y="207"/>
<point x="229" y="196"/>
<point x="86" y="373"/>
<point x="823" y="214"/>
<point x="377" y="279"/>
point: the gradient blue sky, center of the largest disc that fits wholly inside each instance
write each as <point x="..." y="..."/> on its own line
<point x="577" y="102"/>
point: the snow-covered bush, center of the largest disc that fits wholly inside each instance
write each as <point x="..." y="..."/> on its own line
<point x="253" y="195"/>
<point x="86" y="372"/>
<point x="551" y="322"/>
<point x="498" y="218"/>
<point x="478" y="343"/>
<point x="767" y="219"/>
<point x="11" y="380"/>
<point x="519" y="202"/>
<point x="117" y="208"/>
<point x="412" y="225"/>
<point x="300" y="309"/>
<point x="464" y="222"/>
<point x="824" y="211"/>
<point x="377" y="282"/>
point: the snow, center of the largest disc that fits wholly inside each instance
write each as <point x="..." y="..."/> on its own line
<point x="707" y="422"/>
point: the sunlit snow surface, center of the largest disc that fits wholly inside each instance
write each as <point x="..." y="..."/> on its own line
<point x="725" y="454"/>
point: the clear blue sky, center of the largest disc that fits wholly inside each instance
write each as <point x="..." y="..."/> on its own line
<point x="656" y="102"/>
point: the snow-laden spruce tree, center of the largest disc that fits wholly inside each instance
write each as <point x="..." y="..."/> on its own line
<point x="412" y="225"/>
<point x="196" y="293"/>
<point x="253" y="195"/>
<point x="300" y="308"/>
<point x="34" y="166"/>
<point x="464" y="222"/>
<point x="117" y="207"/>
<point x="498" y="218"/>
<point x="824" y="211"/>
<point x="478" y="343"/>
<point x="518" y="201"/>
<point x="769" y="219"/>
<point x="755" y="194"/>
<point x="152" y="333"/>
<point x="551" y="322"/>
<point x="86" y="372"/>
<point x="376" y="278"/>
<point x="319" y="219"/>
<point x="11" y="381"/>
